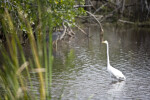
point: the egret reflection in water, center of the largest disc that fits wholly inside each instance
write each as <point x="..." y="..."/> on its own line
<point x="116" y="90"/>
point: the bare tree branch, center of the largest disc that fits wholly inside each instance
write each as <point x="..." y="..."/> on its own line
<point x="81" y="29"/>
<point x="100" y="8"/>
<point x="96" y="20"/>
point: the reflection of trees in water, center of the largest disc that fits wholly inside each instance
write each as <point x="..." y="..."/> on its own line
<point x="136" y="46"/>
<point x="133" y="35"/>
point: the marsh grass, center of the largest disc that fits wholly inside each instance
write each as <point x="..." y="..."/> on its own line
<point x="16" y="65"/>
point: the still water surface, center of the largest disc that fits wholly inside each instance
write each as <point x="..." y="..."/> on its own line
<point x="85" y="77"/>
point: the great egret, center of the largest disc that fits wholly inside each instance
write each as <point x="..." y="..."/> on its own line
<point x="115" y="73"/>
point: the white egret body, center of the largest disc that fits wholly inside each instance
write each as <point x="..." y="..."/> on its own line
<point x="115" y="73"/>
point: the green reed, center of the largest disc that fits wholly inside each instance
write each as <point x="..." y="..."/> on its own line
<point x="12" y="80"/>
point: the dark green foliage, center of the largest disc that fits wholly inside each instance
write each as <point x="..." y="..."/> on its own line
<point x="37" y="11"/>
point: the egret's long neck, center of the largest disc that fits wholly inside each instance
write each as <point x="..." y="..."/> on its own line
<point x="108" y="63"/>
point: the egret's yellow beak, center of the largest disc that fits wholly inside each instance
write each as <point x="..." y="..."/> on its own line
<point x="103" y="41"/>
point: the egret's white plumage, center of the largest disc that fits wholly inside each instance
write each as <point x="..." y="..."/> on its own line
<point x="115" y="73"/>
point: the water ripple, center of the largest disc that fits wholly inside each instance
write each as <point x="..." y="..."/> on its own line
<point x="89" y="78"/>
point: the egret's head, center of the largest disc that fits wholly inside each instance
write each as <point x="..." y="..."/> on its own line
<point x="106" y="42"/>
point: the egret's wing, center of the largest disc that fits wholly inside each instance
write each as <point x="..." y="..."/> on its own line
<point x="117" y="73"/>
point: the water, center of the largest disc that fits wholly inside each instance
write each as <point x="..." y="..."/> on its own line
<point x="79" y="70"/>
<point x="85" y="77"/>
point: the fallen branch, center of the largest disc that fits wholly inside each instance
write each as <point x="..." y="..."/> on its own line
<point x="127" y="22"/>
<point x="146" y="24"/>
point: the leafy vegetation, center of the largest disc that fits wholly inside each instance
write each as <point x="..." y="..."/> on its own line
<point x="32" y="17"/>
<point x="38" y="11"/>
